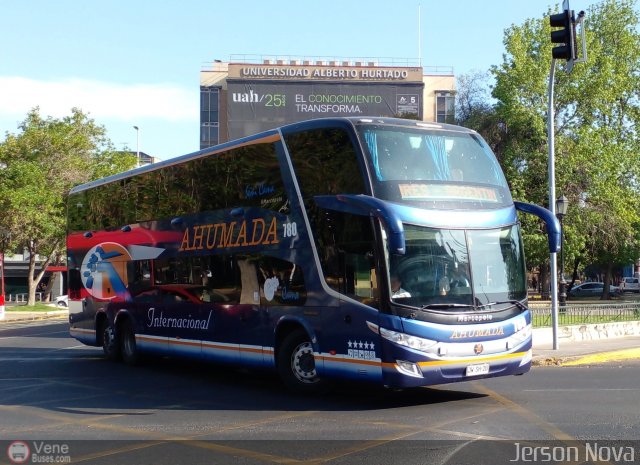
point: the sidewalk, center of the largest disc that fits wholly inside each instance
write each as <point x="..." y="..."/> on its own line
<point x="544" y="354"/>
<point x="12" y="315"/>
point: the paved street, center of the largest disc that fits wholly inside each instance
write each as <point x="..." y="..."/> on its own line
<point x="54" y="389"/>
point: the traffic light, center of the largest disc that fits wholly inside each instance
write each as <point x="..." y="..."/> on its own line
<point x="566" y="35"/>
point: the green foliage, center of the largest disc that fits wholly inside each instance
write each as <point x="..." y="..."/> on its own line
<point x="597" y="109"/>
<point x="38" y="167"/>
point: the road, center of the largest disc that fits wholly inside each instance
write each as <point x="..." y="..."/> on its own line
<point x="55" y="392"/>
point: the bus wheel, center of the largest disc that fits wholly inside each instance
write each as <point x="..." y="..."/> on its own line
<point x="128" y="343"/>
<point x="296" y="364"/>
<point x="109" y="342"/>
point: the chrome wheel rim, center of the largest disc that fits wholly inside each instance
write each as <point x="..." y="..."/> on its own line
<point x="303" y="364"/>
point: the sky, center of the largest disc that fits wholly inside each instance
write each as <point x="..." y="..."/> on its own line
<point x="138" y="62"/>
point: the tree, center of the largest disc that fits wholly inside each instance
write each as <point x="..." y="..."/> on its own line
<point x="597" y="110"/>
<point x="38" y="167"/>
<point x="472" y="96"/>
<point x="475" y="110"/>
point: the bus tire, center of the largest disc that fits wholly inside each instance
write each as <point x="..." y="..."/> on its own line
<point x="110" y="345"/>
<point x="296" y="363"/>
<point x="128" y="347"/>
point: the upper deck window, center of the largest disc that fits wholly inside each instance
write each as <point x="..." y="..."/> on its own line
<point x="434" y="168"/>
<point x="325" y="162"/>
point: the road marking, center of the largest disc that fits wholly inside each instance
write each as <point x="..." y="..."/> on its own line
<point x="582" y="390"/>
<point x="360" y="446"/>
<point x="158" y="438"/>
<point x="544" y="425"/>
<point x="110" y="452"/>
<point x="34" y="334"/>
<point x="391" y="437"/>
<point x="190" y="440"/>
<point x="81" y="346"/>
<point x="614" y="356"/>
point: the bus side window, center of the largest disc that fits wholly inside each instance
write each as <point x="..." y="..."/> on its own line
<point x="139" y="273"/>
<point x="225" y="280"/>
<point x="345" y="243"/>
<point x="281" y="282"/>
<point x="329" y="150"/>
<point x="75" y="283"/>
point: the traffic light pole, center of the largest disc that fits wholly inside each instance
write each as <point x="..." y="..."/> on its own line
<point x="567" y="50"/>
<point x="553" y="259"/>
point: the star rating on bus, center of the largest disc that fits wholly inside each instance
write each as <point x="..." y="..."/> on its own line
<point x="361" y="345"/>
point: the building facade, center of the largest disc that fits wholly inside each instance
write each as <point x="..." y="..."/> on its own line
<point x="250" y="94"/>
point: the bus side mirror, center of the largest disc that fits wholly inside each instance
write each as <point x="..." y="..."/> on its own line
<point x="553" y="225"/>
<point x="365" y="205"/>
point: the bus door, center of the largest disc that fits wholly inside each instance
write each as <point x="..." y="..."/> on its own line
<point x="222" y="295"/>
<point x="353" y="330"/>
<point x="358" y="319"/>
<point x="185" y="303"/>
<point x="347" y="246"/>
<point x="169" y="312"/>
<point x="272" y="288"/>
<point x="250" y="322"/>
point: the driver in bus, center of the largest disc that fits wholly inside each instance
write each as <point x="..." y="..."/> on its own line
<point x="396" y="288"/>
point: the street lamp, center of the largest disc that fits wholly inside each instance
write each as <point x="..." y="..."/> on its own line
<point x="137" y="144"/>
<point x="562" y="204"/>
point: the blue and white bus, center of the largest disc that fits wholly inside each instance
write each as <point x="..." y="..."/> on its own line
<point x="382" y="250"/>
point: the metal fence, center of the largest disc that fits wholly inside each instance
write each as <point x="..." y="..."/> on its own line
<point x="22" y="297"/>
<point x="585" y="313"/>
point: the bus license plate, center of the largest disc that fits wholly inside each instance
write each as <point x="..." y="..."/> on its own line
<point x="476" y="370"/>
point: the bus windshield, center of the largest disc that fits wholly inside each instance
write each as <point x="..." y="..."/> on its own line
<point x="434" y="168"/>
<point x="458" y="269"/>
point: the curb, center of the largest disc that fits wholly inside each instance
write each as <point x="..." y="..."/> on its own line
<point x="591" y="358"/>
<point x="13" y="316"/>
<point x="601" y="357"/>
<point x="550" y="361"/>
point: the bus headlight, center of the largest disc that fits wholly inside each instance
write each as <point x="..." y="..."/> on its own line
<point x="412" y="342"/>
<point x="409" y="368"/>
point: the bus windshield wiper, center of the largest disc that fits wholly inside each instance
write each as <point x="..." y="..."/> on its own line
<point x="444" y="306"/>
<point x="517" y="303"/>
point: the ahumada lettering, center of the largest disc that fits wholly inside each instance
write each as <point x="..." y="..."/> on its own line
<point x="481" y="332"/>
<point x="234" y="234"/>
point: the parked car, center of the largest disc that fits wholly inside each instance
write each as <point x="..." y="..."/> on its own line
<point x="62" y="301"/>
<point x="591" y="290"/>
<point x="630" y="284"/>
<point x="170" y="293"/>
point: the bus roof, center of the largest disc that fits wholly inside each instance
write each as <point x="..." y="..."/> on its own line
<point x="266" y="136"/>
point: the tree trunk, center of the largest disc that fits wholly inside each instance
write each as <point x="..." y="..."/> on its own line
<point x="31" y="299"/>
<point x="33" y="279"/>
<point x="544" y="281"/>
<point x="574" y="275"/>
<point x="606" y="295"/>
<point x="48" y="289"/>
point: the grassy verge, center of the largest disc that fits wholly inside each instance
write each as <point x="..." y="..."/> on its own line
<point x="540" y="321"/>
<point x="38" y="307"/>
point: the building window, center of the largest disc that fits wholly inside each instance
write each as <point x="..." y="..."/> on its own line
<point x="445" y="107"/>
<point x="209" y="116"/>
<point x="209" y="135"/>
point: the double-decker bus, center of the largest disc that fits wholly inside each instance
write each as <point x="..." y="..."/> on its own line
<point x="382" y="250"/>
